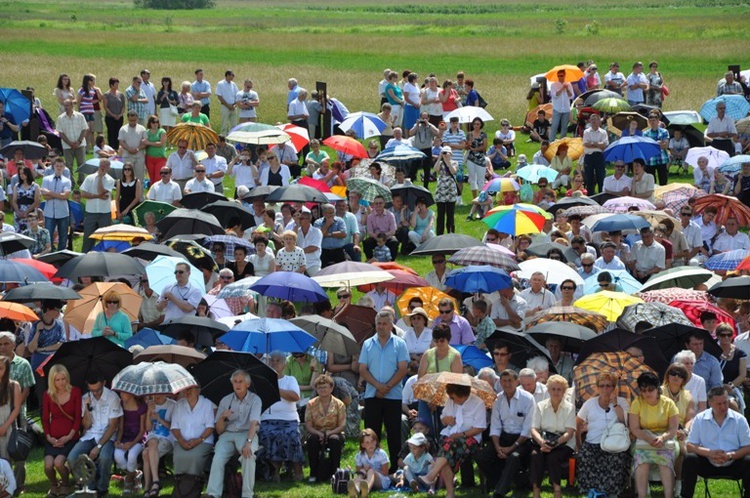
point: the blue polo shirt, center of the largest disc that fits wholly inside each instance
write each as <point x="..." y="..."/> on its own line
<point x="382" y="362"/>
<point x="200" y="87"/>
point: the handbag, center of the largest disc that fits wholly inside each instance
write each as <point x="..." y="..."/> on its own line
<point x="187" y="486"/>
<point x="616" y="438"/>
<point x="481" y="102"/>
<point x="551" y="437"/>
<point x="641" y="444"/>
<point x="19" y="441"/>
<point x="173" y="110"/>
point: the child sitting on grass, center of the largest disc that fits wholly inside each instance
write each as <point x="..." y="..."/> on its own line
<point x="417" y="462"/>
<point x="419" y="428"/>
<point x="480" y="205"/>
<point x="372" y="466"/>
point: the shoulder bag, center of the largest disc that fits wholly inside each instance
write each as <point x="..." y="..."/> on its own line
<point x="19" y="441"/>
<point x="616" y="437"/>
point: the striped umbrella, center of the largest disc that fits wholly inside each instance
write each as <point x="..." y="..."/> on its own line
<point x="726" y="206"/>
<point x="364" y="124"/>
<point x="483" y="255"/>
<point x="501" y="185"/>
<point x="694" y="309"/>
<point x="514" y="220"/>
<point x="299" y="136"/>
<point x="572" y="314"/>
<point x="727" y="261"/>
<point x="611" y="105"/>
<point x="737" y="107"/>
<point x="678" y="198"/>
<point x="368" y="188"/>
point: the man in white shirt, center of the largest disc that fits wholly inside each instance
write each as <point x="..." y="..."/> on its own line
<point x="298" y="115"/>
<point x="226" y="92"/>
<point x="97" y="190"/>
<point x="131" y="137"/>
<point x="181" y="163"/>
<point x="166" y="190"/>
<point x="538" y="157"/>
<point x="595" y="140"/>
<point x="216" y="167"/>
<point x="527" y="379"/>
<point x="732" y="238"/>
<point x="562" y="93"/>
<point x="247" y="102"/>
<point x="609" y="260"/>
<point x="721" y="130"/>
<point x="614" y="80"/>
<point x="509" y="310"/>
<point x="200" y="183"/>
<point x="150" y="90"/>
<point x="436" y="277"/>
<point x="619" y="183"/>
<point x="310" y="239"/>
<point x="647" y="257"/>
<point x="707" y="225"/>
<point x="398" y="138"/>
<point x="637" y="83"/>
<point x="181" y="298"/>
<point x="537" y="297"/>
<point x="72" y="127"/>
<point x="381" y="296"/>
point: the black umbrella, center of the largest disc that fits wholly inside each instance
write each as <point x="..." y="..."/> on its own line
<point x="198" y="200"/>
<point x="620" y="340"/>
<point x="591" y="97"/>
<point x="569" y="202"/>
<point x="541" y="249"/>
<point x="150" y="251"/>
<point x="12" y="271"/>
<point x="196" y="254"/>
<point x="571" y="335"/>
<point x="215" y="372"/>
<point x="734" y="287"/>
<point x="410" y="194"/>
<point x="694" y="136"/>
<point x="645" y="110"/>
<point x="189" y="221"/>
<point x="259" y="193"/>
<point x="226" y="210"/>
<point x="100" y="264"/>
<point x="12" y="242"/>
<point x="31" y="150"/>
<point x="59" y="258"/>
<point x="203" y="329"/>
<point x="671" y="339"/>
<point x="296" y="193"/>
<point x="97" y="354"/>
<point x="39" y="292"/>
<point x="446" y="244"/>
<point x="521" y="346"/>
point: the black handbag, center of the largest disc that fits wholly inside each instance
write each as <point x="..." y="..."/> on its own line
<point x="187" y="486"/>
<point x="19" y="441"/>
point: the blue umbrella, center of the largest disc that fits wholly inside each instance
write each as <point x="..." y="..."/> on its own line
<point x="263" y="335"/>
<point x="106" y="245"/>
<point x="364" y="124"/>
<point x="737" y="107"/>
<point x="535" y="172"/>
<point x="16" y="104"/>
<point x="399" y="152"/>
<point x="291" y="286"/>
<point x="618" y="222"/>
<point x="628" y="148"/>
<point x="622" y="280"/>
<point x="148" y="337"/>
<point x="734" y="164"/>
<point x="727" y="260"/>
<point x="474" y="357"/>
<point x="478" y="278"/>
<point x="10" y="271"/>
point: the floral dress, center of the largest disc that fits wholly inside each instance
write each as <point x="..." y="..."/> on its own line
<point x="447" y="190"/>
<point x="25" y="198"/>
<point x="475" y="156"/>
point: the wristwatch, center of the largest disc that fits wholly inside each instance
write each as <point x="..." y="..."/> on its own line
<point x="99" y="446"/>
<point x="249" y="440"/>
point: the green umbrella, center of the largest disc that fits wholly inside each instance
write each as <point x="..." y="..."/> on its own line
<point x="611" y="105"/>
<point x="368" y="188"/>
<point x="160" y="210"/>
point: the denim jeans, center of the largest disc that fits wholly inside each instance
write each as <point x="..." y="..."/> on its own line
<point x="62" y="225"/>
<point x="103" y="461"/>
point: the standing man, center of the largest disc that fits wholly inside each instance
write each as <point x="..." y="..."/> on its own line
<point x="216" y="167"/>
<point x="595" y="140"/>
<point x="383" y="363"/>
<point x="423" y="133"/>
<point x="56" y="189"/>
<point x="298" y="115"/>
<point x="380" y="221"/>
<point x="226" y="92"/>
<point x="181" y="163"/>
<point x="637" y="83"/>
<point x="657" y="165"/>
<point x="137" y="100"/>
<point x="614" y="80"/>
<point x="132" y="137"/>
<point x="237" y="424"/>
<point x="201" y="90"/>
<point x="461" y="333"/>
<point x="182" y="297"/>
<point x="150" y="90"/>
<point x="293" y="87"/>
<point x="333" y="229"/>
<point x="647" y="257"/>
<point x="97" y="190"/>
<point x="562" y="94"/>
<point x="310" y="239"/>
<point x="247" y="101"/>
<point x="166" y="190"/>
<point x="72" y="127"/>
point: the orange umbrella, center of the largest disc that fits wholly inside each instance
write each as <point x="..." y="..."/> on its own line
<point x="744" y="265"/>
<point x="430" y="297"/>
<point x="15" y="311"/>
<point x="347" y="145"/>
<point x="82" y="313"/>
<point x="392" y="265"/>
<point x="575" y="148"/>
<point x="532" y="114"/>
<point x="572" y="73"/>
<point x="727" y="207"/>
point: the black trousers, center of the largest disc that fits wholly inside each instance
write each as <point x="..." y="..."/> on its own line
<point x="332" y="256"/>
<point x="206" y="109"/>
<point x="113" y="130"/>
<point x="500" y="473"/>
<point x="368" y="245"/>
<point x="552" y="462"/>
<point x="379" y="412"/>
<point x="694" y="466"/>
<point x="661" y="171"/>
<point x="426" y="163"/>
<point x="334" y="443"/>
<point x="445" y="217"/>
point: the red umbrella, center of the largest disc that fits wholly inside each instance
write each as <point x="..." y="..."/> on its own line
<point x="744" y="265"/>
<point x="360" y="320"/>
<point x="693" y="310"/>
<point x="45" y="269"/>
<point x="347" y="145"/>
<point x="727" y="207"/>
<point x="300" y="137"/>
<point x="666" y="296"/>
<point x="402" y="281"/>
<point x="316" y="184"/>
<point x="392" y="265"/>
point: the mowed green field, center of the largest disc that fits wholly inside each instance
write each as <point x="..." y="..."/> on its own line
<point x="348" y="44"/>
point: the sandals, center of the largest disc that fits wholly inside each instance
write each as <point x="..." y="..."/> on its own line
<point x="153" y="491"/>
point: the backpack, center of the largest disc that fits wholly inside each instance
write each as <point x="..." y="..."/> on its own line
<point x="187" y="486"/>
<point x="340" y="481"/>
<point x="232" y="479"/>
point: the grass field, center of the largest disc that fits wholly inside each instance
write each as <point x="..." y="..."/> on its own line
<point x="349" y="43"/>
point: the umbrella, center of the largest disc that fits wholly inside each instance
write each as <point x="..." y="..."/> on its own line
<point x="654" y="218"/>
<point x="501" y="185"/>
<point x="161" y="270"/>
<point x="554" y="271"/>
<point x="735" y="288"/>
<point x="521" y="346"/>
<point x="259" y="193"/>
<point x="241" y="288"/>
<point x="575" y="148"/>
<point x="608" y="303"/>
<point x="230" y="242"/>
<point x="189" y="221"/>
<point x="657" y="314"/>
<point x="109" y="245"/>
<point x="572" y="314"/>
<point x="121" y="232"/>
<point x="203" y="329"/>
<point x="12" y="242"/>
<point x="31" y="150"/>
<point x="743" y="126"/>
<point x="291" y="286"/>
<point x="585" y="211"/>
<point x="392" y="265"/>
<point x="621" y="279"/>
<point x="360" y="320"/>
<point x="368" y="188"/>
<point x="346" y="145"/>
<point x="693" y="135"/>
<point x="39" y="292"/>
<point x="679" y="198"/>
<point x="628" y="148"/>
<point x="737" y="107"/>
<point x="571" y="335"/>
<point x="149" y="251"/>
<point x="58" y="258"/>
<point x="143" y="379"/>
<point x="13" y="271"/>
<point x="296" y="193"/>
<point x="214" y="374"/>
<point x="159" y="210"/>
<point x="666" y="296"/>
<point x="591" y="97"/>
<point x="671" y="339"/>
<point x="82" y="313"/>
<point x="431" y="388"/>
<point x="621" y="340"/>
<point x="401" y="281"/>
<point x="621" y="204"/>
<point x="410" y="193"/>
<point x="534" y="172"/>
<point x="264" y="335"/>
<point x="199" y="200"/>
<point x="331" y="336"/>
<point x="611" y="105"/>
<point x="474" y="357"/>
<point x="727" y="260"/>
<point x="532" y="114"/>
<point x="541" y="249"/>
<point x="569" y="202"/>
<point x="694" y="309"/>
<point x="483" y="255"/>
<point x="197" y="255"/>
<point x="622" y="365"/>
<point x="744" y="264"/>
<point x="16" y="104"/>
<point x="17" y="312"/>
<point x="430" y="297"/>
<point x="621" y="121"/>
<point x="92" y="165"/>
<point x="399" y="153"/>
<point x="726" y="206"/>
<point x="685" y="277"/>
<point x="469" y="113"/>
<point x="364" y="124"/>
<point x="733" y="165"/>
<point x="148" y="337"/>
<point x="82" y="358"/>
<point x="572" y="73"/>
<point x="225" y="211"/>
<point x="715" y="156"/>
<point x="316" y="184"/>
<point x="298" y="135"/>
<point x="445" y="244"/>
<point x="170" y="353"/>
<point x="514" y="220"/>
<point x="100" y="264"/>
<point x="217" y="308"/>
<point x="257" y="134"/>
<point x="615" y="222"/>
<point x="683" y="117"/>
<point x="481" y="278"/>
<point x="197" y="135"/>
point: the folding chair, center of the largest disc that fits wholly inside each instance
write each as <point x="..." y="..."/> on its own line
<point x="740" y="487"/>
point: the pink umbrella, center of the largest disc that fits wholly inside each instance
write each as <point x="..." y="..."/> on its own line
<point x="502" y="249"/>
<point x="621" y="204"/>
<point x="666" y="296"/>
<point x="693" y="310"/>
<point x="403" y="280"/>
<point x="316" y="184"/>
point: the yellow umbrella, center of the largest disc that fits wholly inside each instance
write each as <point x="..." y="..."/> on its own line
<point x="532" y="114"/>
<point x="608" y="303"/>
<point x="122" y="232"/>
<point x="197" y="135"/>
<point x="572" y="73"/>
<point x="430" y="297"/>
<point x="82" y="313"/>
<point x="575" y="148"/>
<point x="339" y="190"/>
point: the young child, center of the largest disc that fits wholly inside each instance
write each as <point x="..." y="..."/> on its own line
<point x="418" y="461"/>
<point x="381" y="253"/>
<point x="372" y="466"/>
<point x="485" y="326"/>
<point x="480" y="206"/>
<point x="158" y="442"/>
<point x="498" y="154"/>
<point x="522" y="161"/>
<point x="129" y="443"/>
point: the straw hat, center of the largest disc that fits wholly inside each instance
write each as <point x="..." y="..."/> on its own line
<point x="417" y="311"/>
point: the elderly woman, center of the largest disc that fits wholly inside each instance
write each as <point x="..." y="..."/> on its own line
<point x="417" y="334"/>
<point x="193" y="430"/>
<point x="440" y="358"/>
<point x="653" y="419"/>
<point x="695" y="384"/>
<point x="325" y="419"/>
<point x="464" y="419"/>
<point x="733" y="362"/>
<point x="112" y="323"/>
<point x="597" y="469"/>
<point x="673" y="388"/>
<point x="552" y="431"/>
<point x="702" y="176"/>
<point x="567" y="292"/>
<point x="279" y="435"/>
<point x="291" y="257"/>
<point x="562" y="163"/>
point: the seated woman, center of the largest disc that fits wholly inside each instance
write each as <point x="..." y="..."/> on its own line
<point x="112" y="323"/>
<point x="325" y="419"/>
<point x="158" y="442"/>
<point x="508" y="136"/>
<point x="440" y="358"/>
<point x="421" y="223"/>
<point x="674" y="388"/>
<point x="129" y="442"/>
<point x="702" y="176"/>
<point x="577" y="189"/>
<point x="653" y="419"/>
<point x="193" y="432"/>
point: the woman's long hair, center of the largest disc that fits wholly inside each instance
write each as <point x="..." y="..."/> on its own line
<point x="5" y="382"/>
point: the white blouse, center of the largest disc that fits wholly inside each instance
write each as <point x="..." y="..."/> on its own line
<point x="472" y="414"/>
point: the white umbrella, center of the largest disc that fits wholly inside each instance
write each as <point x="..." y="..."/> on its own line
<point x="160" y="273"/>
<point x="365" y="124"/>
<point x="351" y="274"/>
<point x="554" y="271"/>
<point x="468" y="113"/>
<point x="715" y="157"/>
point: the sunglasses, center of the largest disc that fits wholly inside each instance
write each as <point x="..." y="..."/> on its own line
<point x="604" y="284"/>
<point x="587" y="265"/>
<point x="567" y="287"/>
<point x="127" y="169"/>
<point x="344" y="296"/>
<point x="674" y="373"/>
<point x="647" y="389"/>
<point x="200" y="170"/>
<point x="164" y="173"/>
<point x="113" y="302"/>
<point x="724" y="335"/>
<point x="500" y="354"/>
<point x="438" y="262"/>
<point x="179" y="272"/>
<point x="226" y="278"/>
<point x="686" y="214"/>
<point x="445" y="312"/>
